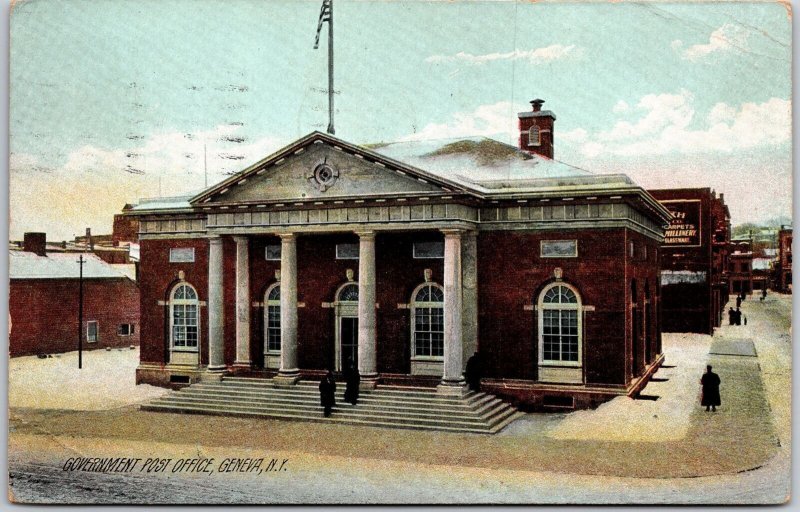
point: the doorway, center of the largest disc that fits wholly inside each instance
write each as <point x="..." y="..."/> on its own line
<point x="346" y="326"/>
<point x="348" y="342"/>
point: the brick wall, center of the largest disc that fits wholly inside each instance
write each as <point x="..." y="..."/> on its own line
<point x="44" y="314"/>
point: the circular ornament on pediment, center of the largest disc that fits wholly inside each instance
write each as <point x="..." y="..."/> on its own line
<point x="323" y="175"/>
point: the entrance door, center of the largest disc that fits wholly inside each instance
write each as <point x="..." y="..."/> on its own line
<point x="348" y="341"/>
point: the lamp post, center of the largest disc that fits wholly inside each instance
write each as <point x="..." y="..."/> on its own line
<point x="81" y="261"/>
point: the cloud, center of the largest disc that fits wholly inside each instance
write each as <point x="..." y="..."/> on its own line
<point x="498" y="120"/>
<point x="662" y="124"/>
<point x="621" y="107"/>
<point x="94" y="183"/>
<point x="726" y="38"/>
<point x="536" y="56"/>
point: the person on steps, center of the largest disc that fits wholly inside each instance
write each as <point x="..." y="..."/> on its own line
<point x="352" y="380"/>
<point x="327" y="393"/>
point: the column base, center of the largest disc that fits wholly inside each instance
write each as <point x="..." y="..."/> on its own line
<point x="368" y="382"/>
<point x="286" y="379"/>
<point x="242" y="366"/>
<point x="452" y="388"/>
<point x="213" y="374"/>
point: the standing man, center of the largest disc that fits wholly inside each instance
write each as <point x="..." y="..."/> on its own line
<point x="710" y="382"/>
<point x="327" y="393"/>
<point x="474" y="372"/>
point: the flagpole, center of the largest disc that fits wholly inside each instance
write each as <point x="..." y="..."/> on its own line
<point x="330" y="69"/>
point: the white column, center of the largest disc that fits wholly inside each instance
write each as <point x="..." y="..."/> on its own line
<point x="469" y="269"/>
<point x="242" y="303"/>
<point x="288" y="373"/>
<point x="216" y="311"/>
<point x="367" y="333"/>
<point x="452" y="379"/>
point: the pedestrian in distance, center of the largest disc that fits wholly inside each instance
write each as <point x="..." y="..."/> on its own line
<point x="763" y="294"/>
<point x="745" y="320"/>
<point x="327" y="393"/>
<point x="352" y="379"/>
<point x="474" y="372"/>
<point x="738" y="301"/>
<point x="710" y="382"/>
<point x="731" y="316"/>
<point x="738" y="318"/>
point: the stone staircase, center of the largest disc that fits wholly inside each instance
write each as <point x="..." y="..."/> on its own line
<point x="386" y="406"/>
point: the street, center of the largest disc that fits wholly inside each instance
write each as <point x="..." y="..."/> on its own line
<point x="662" y="450"/>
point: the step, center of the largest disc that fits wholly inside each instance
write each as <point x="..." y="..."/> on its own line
<point x="429" y="398"/>
<point x="319" y="419"/>
<point x="375" y="409"/>
<point x="341" y="412"/>
<point x="367" y="399"/>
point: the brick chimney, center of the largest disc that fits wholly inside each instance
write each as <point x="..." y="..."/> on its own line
<point x="35" y="243"/>
<point x="89" y="242"/>
<point x="536" y="130"/>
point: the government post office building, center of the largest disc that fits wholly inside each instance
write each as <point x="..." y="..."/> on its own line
<point x="405" y="259"/>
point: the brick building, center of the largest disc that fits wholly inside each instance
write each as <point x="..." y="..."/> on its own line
<point x="740" y="270"/>
<point x="44" y="298"/>
<point x="406" y="258"/>
<point x="694" y="260"/>
<point x="784" y="278"/>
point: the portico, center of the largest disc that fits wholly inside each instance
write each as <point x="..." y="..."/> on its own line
<point x="456" y="320"/>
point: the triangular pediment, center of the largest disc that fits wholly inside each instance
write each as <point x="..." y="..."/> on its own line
<point x="320" y="167"/>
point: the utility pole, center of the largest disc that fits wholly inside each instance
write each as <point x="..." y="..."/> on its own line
<point x="81" y="262"/>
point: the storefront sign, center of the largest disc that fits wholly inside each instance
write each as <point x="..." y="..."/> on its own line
<point x="684" y="228"/>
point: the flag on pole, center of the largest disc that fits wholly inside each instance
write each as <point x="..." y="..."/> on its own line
<point x="324" y="15"/>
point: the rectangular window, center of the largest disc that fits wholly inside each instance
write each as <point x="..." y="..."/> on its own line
<point x="429" y="332"/>
<point x="631" y="250"/>
<point x="560" y="335"/>
<point x="91" y="331"/>
<point x="428" y="250"/>
<point x="125" y="329"/>
<point x="184" y="325"/>
<point x="273" y="328"/>
<point x="273" y="252"/>
<point x="181" y="255"/>
<point x="559" y="248"/>
<point x="346" y="251"/>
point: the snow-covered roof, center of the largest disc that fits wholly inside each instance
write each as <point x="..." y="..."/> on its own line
<point x="163" y="203"/>
<point x="27" y="265"/>
<point x="476" y="160"/>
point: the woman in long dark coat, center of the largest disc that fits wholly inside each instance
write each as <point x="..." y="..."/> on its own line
<point x="352" y="379"/>
<point x="710" y="382"/>
<point x="327" y="393"/>
<point x="473" y="372"/>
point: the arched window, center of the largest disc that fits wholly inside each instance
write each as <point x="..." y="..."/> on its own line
<point x="348" y="293"/>
<point x="427" y="321"/>
<point x="560" y="321"/>
<point x="534" y="136"/>
<point x="184" y="317"/>
<point x="272" y="318"/>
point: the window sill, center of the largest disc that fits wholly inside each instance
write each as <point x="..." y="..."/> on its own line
<point x="560" y="364"/>
<point x="434" y="359"/>
<point x="183" y="349"/>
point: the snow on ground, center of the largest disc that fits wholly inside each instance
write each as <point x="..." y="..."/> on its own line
<point x="106" y="381"/>
<point x="665" y="419"/>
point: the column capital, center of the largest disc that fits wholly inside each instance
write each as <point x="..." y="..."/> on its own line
<point x="453" y="232"/>
<point x="287" y="237"/>
<point x="215" y="239"/>
<point x="365" y="234"/>
<point x="240" y="239"/>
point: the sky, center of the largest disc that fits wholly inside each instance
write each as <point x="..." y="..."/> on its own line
<point x="115" y="100"/>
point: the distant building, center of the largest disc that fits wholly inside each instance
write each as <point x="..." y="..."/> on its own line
<point x="43" y="301"/>
<point x="740" y="269"/>
<point x="694" y="260"/>
<point x="784" y="278"/>
<point x="406" y="258"/>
